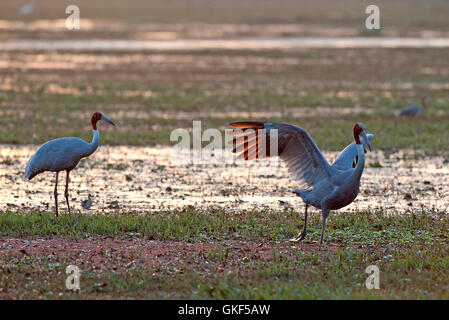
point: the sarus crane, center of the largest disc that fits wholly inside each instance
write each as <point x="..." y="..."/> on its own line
<point x="414" y="109"/>
<point x="63" y="154"/>
<point x="327" y="187"/>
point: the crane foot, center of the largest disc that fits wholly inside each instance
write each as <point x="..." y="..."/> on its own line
<point x="301" y="236"/>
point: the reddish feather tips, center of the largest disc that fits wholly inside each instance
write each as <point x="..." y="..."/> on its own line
<point x="252" y="143"/>
<point x="249" y="139"/>
<point x="247" y="125"/>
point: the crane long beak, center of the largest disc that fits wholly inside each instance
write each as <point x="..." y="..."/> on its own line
<point x="103" y="117"/>
<point x="366" y="140"/>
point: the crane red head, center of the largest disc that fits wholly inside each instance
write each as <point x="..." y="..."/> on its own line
<point x="360" y="129"/>
<point x="99" y="116"/>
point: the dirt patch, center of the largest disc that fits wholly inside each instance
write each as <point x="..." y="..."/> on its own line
<point x="107" y="254"/>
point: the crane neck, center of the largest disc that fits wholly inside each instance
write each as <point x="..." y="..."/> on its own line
<point x="358" y="170"/>
<point x="94" y="144"/>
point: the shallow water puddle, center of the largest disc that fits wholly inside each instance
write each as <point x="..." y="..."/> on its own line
<point x="146" y="180"/>
<point x="293" y="43"/>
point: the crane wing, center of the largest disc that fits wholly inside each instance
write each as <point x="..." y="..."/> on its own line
<point x="346" y="158"/>
<point x="296" y="148"/>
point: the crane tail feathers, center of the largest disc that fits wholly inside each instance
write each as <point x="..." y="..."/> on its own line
<point x="31" y="171"/>
<point x="29" y="174"/>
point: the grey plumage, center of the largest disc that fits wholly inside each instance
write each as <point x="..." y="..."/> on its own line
<point x="327" y="187"/>
<point x="63" y="154"/>
<point x="414" y="109"/>
<point x="59" y="155"/>
<point x="347" y="156"/>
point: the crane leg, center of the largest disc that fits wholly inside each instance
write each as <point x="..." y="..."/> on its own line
<point x="56" y="194"/>
<point x="301" y="235"/>
<point x="66" y="193"/>
<point x="323" y="226"/>
<point x="322" y="231"/>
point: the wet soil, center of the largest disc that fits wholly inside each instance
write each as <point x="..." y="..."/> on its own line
<point x="153" y="179"/>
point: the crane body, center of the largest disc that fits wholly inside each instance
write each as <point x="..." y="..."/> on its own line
<point x="414" y="109"/>
<point x="327" y="187"/>
<point x="60" y="154"/>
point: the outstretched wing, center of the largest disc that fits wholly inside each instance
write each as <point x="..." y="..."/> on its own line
<point x="346" y="158"/>
<point x="295" y="147"/>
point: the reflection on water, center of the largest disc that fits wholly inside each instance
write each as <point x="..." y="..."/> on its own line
<point x="143" y="179"/>
<point x="226" y="44"/>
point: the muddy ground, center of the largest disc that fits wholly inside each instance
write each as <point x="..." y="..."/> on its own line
<point x="152" y="179"/>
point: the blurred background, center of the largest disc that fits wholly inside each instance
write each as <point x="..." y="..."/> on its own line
<point x="151" y="90"/>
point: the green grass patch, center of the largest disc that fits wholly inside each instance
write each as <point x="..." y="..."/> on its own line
<point x="364" y="227"/>
<point x="411" y="251"/>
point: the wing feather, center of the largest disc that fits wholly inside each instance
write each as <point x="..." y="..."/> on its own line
<point x="296" y="148"/>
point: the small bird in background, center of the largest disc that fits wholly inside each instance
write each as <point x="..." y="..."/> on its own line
<point x="27" y="8"/>
<point x="414" y="109"/>
<point x="328" y="187"/>
<point x="86" y="204"/>
<point x="63" y="154"/>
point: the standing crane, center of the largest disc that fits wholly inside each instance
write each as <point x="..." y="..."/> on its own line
<point x="414" y="109"/>
<point x="63" y="154"/>
<point x="333" y="186"/>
